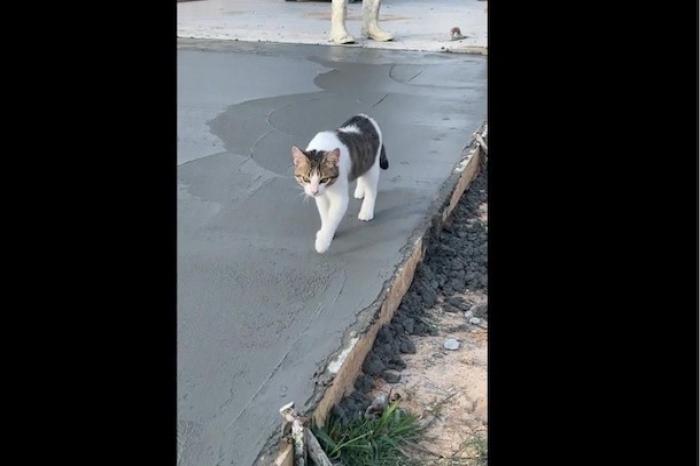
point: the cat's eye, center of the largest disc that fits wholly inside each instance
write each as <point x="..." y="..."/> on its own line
<point x="325" y="180"/>
<point x="304" y="179"/>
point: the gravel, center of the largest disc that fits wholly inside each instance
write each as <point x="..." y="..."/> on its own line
<point x="407" y="346"/>
<point x="455" y="264"/>
<point x="459" y="303"/>
<point x="480" y="310"/>
<point x="391" y="376"/>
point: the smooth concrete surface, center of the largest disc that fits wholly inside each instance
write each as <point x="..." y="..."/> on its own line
<point x="416" y="24"/>
<point x="260" y="313"/>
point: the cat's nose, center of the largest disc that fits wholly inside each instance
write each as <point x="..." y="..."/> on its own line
<point x="314" y="191"/>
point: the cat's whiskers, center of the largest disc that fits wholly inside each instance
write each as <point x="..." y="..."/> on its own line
<point x="305" y="197"/>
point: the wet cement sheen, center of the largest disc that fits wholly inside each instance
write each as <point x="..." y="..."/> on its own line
<point x="259" y="311"/>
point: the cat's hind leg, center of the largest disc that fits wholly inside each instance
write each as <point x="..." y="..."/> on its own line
<point x="370" y="182"/>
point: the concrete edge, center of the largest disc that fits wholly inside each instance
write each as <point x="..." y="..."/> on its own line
<point x="209" y="43"/>
<point x="357" y="343"/>
<point x="468" y="50"/>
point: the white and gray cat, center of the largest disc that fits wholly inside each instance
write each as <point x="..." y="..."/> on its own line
<point x="331" y="161"/>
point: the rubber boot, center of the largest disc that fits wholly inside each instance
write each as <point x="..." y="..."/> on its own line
<point x="339" y="34"/>
<point x="370" y="21"/>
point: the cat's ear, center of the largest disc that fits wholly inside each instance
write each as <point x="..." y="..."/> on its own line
<point x="298" y="156"/>
<point x="333" y="156"/>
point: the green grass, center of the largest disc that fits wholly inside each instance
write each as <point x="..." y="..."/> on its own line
<point x="478" y="447"/>
<point x="371" y="442"/>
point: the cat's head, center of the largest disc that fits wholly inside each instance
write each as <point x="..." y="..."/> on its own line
<point x="315" y="170"/>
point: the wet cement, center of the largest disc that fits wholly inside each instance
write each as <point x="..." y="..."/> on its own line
<point x="260" y="313"/>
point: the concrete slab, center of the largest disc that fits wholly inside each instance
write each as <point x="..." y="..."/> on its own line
<point x="260" y="314"/>
<point x="309" y="22"/>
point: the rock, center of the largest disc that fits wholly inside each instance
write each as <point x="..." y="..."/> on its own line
<point x="450" y="308"/>
<point x="407" y="346"/>
<point x="373" y="365"/>
<point x="384" y="334"/>
<point x="475" y="321"/>
<point x="451" y="344"/>
<point x="458" y="303"/>
<point x="376" y="408"/>
<point x="396" y="363"/>
<point x="429" y="297"/>
<point x="480" y="310"/>
<point x="391" y="376"/>
<point x="413" y="298"/>
<point x="468" y="315"/>
<point x="384" y="351"/>
<point x="450" y="251"/>
<point x="361" y="398"/>
<point x="408" y="325"/>
<point x="355" y="405"/>
<point x="363" y="383"/>
<point x="396" y="328"/>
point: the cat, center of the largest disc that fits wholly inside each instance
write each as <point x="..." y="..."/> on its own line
<point x="332" y="160"/>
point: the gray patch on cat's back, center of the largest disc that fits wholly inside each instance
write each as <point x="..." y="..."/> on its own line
<point x="363" y="146"/>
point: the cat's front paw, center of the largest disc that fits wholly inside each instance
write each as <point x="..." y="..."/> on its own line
<point x="365" y="216"/>
<point x="323" y="242"/>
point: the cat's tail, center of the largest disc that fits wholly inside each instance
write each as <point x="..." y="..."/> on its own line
<point x="383" y="161"/>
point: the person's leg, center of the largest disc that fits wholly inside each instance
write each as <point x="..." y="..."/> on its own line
<point x="370" y="21"/>
<point x="339" y="34"/>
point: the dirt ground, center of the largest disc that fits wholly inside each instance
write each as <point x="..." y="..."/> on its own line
<point x="447" y="389"/>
